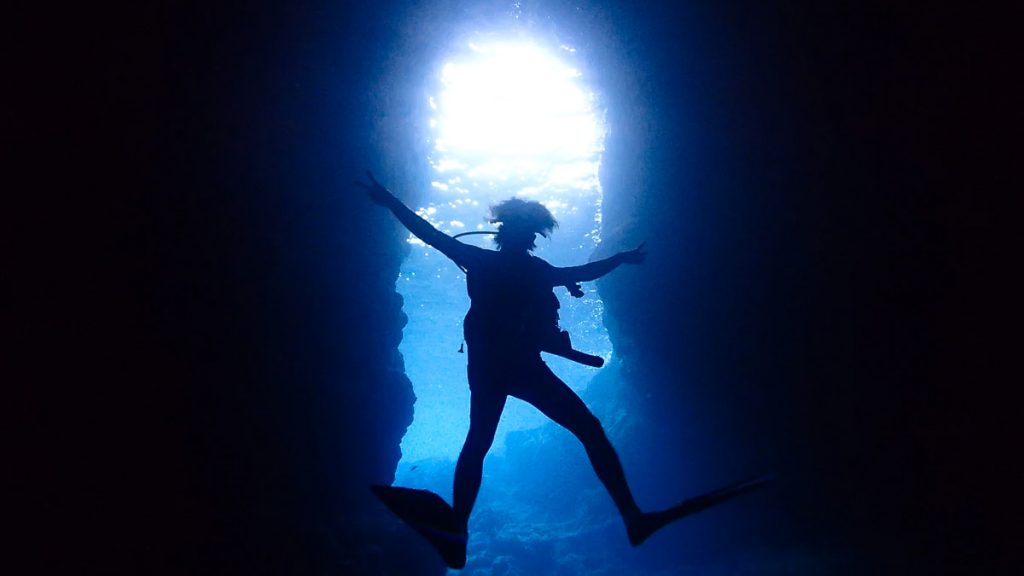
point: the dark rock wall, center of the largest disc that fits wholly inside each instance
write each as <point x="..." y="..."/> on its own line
<point x="801" y="175"/>
<point x="210" y="304"/>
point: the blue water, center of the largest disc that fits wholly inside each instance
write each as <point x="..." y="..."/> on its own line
<point x="541" y="510"/>
<point x="511" y="118"/>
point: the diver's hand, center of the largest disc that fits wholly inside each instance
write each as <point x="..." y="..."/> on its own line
<point x="378" y="194"/>
<point x="634" y="256"/>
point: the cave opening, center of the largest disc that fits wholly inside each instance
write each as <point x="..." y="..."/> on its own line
<point x="508" y="117"/>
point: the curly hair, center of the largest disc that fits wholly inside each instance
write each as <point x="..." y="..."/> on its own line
<point x="521" y="215"/>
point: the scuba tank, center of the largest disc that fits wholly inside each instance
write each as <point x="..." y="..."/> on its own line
<point x="560" y="345"/>
<point x="554" y="340"/>
<point x="546" y="331"/>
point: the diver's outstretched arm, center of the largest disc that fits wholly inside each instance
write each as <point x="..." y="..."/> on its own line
<point x="420" y="228"/>
<point x="595" y="270"/>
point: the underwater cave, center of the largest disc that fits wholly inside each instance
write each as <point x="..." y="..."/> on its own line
<point x="247" y="344"/>
<point x="520" y="112"/>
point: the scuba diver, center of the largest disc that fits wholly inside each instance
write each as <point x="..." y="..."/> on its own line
<point x="513" y="317"/>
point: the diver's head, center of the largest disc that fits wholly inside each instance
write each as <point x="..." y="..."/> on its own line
<point x="519" y="223"/>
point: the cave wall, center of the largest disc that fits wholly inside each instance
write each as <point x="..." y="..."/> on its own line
<point x="799" y="174"/>
<point x="299" y="392"/>
<point x="221" y="295"/>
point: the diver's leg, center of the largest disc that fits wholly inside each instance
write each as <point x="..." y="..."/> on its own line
<point x="559" y="403"/>
<point x="484" y="413"/>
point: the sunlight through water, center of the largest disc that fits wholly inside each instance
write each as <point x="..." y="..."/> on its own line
<point x="508" y="119"/>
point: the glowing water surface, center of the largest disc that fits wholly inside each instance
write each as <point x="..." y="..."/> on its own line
<point x="511" y="119"/>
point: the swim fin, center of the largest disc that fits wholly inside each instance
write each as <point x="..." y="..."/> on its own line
<point x="431" y="516"/>
<point x="642" y="528"/>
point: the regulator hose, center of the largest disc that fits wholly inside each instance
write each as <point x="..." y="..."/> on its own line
<point x="491" y="232"/>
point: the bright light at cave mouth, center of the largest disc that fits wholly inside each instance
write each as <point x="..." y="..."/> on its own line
<point x="508" y="119"/>
<point x="513" y="107"/>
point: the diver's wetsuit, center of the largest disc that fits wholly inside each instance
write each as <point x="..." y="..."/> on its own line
<point x="511" y="303"/>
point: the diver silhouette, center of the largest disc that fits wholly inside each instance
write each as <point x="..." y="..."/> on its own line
<point x="513" y="316"/>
